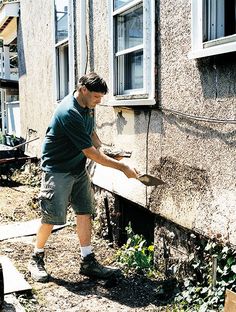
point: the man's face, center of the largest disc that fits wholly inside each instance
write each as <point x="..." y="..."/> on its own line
<point x="92" y="98"/>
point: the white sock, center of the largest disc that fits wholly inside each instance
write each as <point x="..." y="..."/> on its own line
<point x="38" y="250"/>
<point x="85" y="251"/>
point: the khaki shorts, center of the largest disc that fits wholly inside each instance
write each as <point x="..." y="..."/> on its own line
<point x="60" y="189"/>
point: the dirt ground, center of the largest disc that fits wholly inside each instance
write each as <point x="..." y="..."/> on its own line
<point x="67" y="290"/>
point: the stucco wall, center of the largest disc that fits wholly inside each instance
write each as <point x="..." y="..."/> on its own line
<point x="195" y="158"/>
<point x="198" y="159"/>
<point x="35" y="39"/>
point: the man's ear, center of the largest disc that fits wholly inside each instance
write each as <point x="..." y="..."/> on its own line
<point x="84" y="90"/>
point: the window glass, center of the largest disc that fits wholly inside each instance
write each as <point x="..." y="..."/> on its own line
<point x="61" y="8"/>
<point x="230" y="17"/>
<point x="130" y="29"/>
<point x="219" y="19"/>
<point x="120" y="3"/>
<point x="62" y="71"/>
<point x="130" y="67"/>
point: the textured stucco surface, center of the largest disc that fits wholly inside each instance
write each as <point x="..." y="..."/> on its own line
<point x="198" y="159"/>
<point x="36" y="83"/>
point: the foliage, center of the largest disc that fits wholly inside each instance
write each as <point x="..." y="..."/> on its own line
<point x="1" y="138"/>
<point x="202" y="290"/>
<point x="9" y="139"/>
<point x="135" y="254"/>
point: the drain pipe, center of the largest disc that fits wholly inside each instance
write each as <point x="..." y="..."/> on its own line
<point x="214" y="270"/>
<point x="82" y="37"/>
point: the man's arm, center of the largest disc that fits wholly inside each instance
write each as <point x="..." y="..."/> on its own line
<point x="100" y="158"/>
<point x="95" y="140"/>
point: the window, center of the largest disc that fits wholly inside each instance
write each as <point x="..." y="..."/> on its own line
<point x="64" y="48"/>
<point x="213" y="27"/>
<point x="133" y="52"/>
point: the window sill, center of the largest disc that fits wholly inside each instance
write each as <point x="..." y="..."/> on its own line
<point x="215" y="47"/>
<point x="130" y="96"/>
<point x="131" y="100"/>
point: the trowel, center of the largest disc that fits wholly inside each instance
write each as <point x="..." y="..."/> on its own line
<point x="149" y="180"/>
<point x="146" y="179"/>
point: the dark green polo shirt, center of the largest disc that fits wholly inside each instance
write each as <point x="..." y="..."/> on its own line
<point x="67" y="135"/>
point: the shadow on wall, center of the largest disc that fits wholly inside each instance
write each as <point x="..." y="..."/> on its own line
<point x="121" y="122"/>
<point x="142" y="121"/>
<point x="20" y="48"/>
<point x="184" y="184"/>
<point x="199" y="130"/>
<point x="218" y="76"/>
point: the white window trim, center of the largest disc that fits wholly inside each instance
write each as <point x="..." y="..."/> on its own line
<point x="213" y="47"/>
<point x="70" y="42"/>
<point x="147" y="96"/>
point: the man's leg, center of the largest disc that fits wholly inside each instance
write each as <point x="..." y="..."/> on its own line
<point x="84" y="227"/>
<point x="43" y="234"/>
<point x="36" y="263"/>
<point x="89" y="265"/>
<point x="53" y="199"/>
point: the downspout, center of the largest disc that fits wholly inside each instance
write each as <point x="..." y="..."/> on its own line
<point x="82" y="38"/>
<point x="71" y="46"/>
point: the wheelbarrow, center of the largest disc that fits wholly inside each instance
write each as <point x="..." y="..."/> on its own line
<point x="12" y="158"/>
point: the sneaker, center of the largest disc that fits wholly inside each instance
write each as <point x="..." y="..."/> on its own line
<point x="92" y="268"/>
<point x="37" y="269"/>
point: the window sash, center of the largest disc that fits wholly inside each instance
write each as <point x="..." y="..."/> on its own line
<point x="62" y="70"/>
<point x="64" y="56"/>
<point x="202" y="45"/>
<point x="136" y="96"/>
<point x="128" y="35"/>
<point x="126" y="7"/>
<point x="128" y="74"/>
<point x="61" y="20"/>
<point x="130" y="50"/>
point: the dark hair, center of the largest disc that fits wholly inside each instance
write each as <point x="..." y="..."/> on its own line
<point x="93" y="82"/>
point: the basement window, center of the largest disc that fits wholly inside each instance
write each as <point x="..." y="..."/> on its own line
<point x="213" y="27"/>
<point x="64" y="48"/>
<point x="132" y="52"/>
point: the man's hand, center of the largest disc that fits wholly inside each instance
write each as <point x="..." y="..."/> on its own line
<point x="99" y="157"/>
<point x="130" y="172"/>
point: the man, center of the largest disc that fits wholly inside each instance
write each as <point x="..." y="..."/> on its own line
<point x="70" y="140"/>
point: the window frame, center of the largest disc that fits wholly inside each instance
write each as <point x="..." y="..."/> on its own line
<point x="200" y="48"/>
<point x="146" y="95"/>
<point x="59" y="69"/>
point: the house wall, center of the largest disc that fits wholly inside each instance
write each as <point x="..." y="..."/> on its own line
<point x="36" y="83"/>
<point x="195" y="158"/>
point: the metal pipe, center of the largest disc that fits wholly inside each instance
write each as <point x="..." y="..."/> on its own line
<point x="82" y="37"/>
<point x="214" y="270"/>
